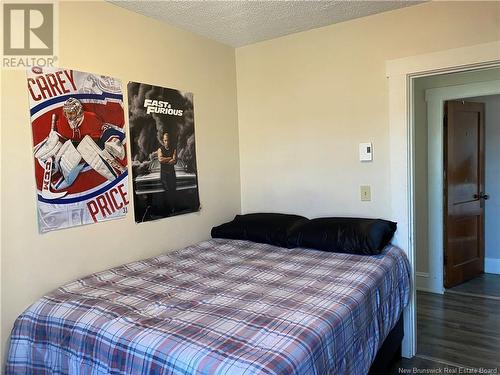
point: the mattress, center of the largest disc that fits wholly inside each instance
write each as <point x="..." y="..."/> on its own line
<point x="218" y="307"/>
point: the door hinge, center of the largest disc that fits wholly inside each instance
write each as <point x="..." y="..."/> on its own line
<point x="445" y="260"/>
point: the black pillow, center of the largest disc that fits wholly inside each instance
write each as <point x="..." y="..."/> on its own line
<point x="270" y="228"/>
<point x="343" y="235"/>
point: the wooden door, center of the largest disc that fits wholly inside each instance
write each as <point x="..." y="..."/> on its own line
<point x="464" y="191"/>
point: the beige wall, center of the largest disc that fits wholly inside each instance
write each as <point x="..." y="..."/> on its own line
<point x="421" y="151"/>
<point x="106" y="39"/>
<point x="306" y="101"/>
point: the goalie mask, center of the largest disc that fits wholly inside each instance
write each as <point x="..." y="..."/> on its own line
<point x="73" y="111"/>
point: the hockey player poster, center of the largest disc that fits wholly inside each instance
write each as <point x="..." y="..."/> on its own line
<point x="164" y="172"/>
<point x="77" y="123"/>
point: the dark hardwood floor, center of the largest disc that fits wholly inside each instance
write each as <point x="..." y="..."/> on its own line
<point x="459" y="329"/>
<point x="487" y="285"/>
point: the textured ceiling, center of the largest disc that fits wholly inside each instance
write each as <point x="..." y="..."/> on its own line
<point x="238" y="23"/>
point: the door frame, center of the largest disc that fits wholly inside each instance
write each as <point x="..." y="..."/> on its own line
<point x="401" y="74"/>
<point x="435" y="99"/>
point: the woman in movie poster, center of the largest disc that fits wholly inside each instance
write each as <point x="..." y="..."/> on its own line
<point x="79" y="148"/>
<point x="163" y="151"/>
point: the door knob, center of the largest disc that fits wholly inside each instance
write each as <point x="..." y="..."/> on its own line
<point x="481" y="196"/>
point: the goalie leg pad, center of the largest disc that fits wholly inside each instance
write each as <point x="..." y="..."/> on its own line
<point x="94" y="157"/>
<point x="68" y="159"/>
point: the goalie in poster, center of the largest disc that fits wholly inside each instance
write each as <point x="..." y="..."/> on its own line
<point x="163" y="151"/>
<point x="79" y="148"/>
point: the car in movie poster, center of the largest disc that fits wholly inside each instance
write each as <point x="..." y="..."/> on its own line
<point x="79" y="148"/>
<point x="164" y="173"/>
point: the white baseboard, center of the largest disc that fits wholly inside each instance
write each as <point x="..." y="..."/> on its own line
<point x="425" y="283"/>
<point x="491" y="265"/>
<point x="422" y="281"/>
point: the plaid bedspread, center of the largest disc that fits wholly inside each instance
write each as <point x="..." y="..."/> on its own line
<point x="218" y="307"/>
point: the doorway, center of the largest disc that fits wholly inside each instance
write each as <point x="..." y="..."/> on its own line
<point x="402" y="74"/>
<point x="457" y="321"/>
<point x="464" y="191"/>
<point x="487" y="283"/>
<point x="431" y="93"/>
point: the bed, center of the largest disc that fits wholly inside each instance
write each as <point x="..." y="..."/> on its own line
<point x="218" y="307"/>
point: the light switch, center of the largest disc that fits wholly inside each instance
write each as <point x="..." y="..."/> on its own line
<point x="366" y="151"/>
<point x="366" y="194"/>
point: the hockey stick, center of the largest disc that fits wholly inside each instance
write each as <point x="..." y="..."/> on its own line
<point x="47" y="172"/>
